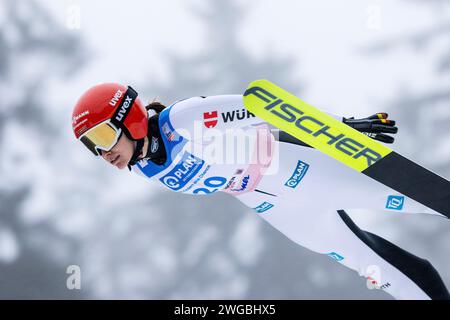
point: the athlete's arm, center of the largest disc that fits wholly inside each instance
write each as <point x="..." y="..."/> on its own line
<point x="216" y="112"/>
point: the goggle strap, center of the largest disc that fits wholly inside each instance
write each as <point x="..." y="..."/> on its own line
<point x="124" y="107"/>
<point x="137" y="151"/>
<point x="88" y="143"/>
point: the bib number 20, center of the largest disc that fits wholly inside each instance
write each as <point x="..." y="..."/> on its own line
<point x="212" y="184"/>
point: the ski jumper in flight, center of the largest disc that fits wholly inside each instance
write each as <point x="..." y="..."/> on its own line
<point x="204" y="145"/>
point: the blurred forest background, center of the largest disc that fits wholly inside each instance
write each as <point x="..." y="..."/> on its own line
<point x="59" y="206"/>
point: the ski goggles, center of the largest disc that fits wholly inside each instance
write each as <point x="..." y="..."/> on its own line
<point x="105" y="135"/>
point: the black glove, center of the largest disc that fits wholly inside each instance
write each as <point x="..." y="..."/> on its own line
<point x="374" y="126"/>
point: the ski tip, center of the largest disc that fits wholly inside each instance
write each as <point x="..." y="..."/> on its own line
<point x="258" y="82"/>
<point x="256" y="85"/>
<point x="264" y="82"/>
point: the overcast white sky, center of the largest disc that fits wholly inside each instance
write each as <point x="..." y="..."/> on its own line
<point x="325" y="36"/>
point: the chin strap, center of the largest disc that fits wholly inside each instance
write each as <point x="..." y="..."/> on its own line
<point x="156" y="152"/>
<point x="136" y="154"/>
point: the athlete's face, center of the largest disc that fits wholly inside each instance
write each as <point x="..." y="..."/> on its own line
<point x="121" y="153"/>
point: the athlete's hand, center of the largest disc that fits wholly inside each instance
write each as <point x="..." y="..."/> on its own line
<point x="374" y="126"/>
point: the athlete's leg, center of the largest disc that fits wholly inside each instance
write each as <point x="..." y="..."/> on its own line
<point x="333" y="233"/>
<point x="362" y="192"/>
<point x="306" y="214"/>
<point x="391" y="268"/>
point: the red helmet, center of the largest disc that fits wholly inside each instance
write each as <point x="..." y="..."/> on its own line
<point x="114" y="103"/>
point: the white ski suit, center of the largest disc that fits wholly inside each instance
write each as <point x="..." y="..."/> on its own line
<point x="213" y="144"/>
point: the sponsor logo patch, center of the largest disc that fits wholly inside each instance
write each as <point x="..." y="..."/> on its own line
<point x="167" y="132"/>
<point x="183" y="172"/>
<point x="243" y="184"/>
<point x="210" y="119"/>
<point x="395" y="202"/>
<point x="116" y="98"/>
<point x="263" y="207"/>
<point x="78" y="116"/>
<point x="155" y="145"/>
<point x="298" y="174"/>
<point x="335" y="256"/>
